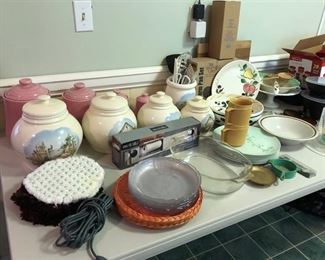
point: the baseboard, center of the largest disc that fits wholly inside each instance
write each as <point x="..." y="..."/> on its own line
<point x="127" y="78"/>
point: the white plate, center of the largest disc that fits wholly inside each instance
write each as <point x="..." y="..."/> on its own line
<point x="237" y="77"/>
<point x="259" y="146"/>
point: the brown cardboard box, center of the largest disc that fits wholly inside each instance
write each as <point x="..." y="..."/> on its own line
<point x="304" y="61"/>
<point x="207" y="68"/>
<point x="243" y="49"/>
<point x="224" y="19"/>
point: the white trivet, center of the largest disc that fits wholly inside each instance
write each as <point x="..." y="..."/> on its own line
<point x="63" y="181"/>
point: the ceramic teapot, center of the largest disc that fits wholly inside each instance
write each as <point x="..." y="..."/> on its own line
<point x="159" y="109"/>
<point x="46" y="131"/>
<point x="108" y="114"/>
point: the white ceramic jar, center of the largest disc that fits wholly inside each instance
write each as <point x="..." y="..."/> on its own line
<point x="200" y="110"/>
<point x="108" y="114"/>
<point x="46" y="131"/>
<point x="159" y="109"/>
<point x="180" y="93"/>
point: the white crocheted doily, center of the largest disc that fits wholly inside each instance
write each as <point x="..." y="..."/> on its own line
<point x="63" y="181"/>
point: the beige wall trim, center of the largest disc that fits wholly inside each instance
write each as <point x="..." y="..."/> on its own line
<point x="126" y="78"/>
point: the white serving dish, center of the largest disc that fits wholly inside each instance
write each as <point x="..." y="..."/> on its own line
<point x="164" y="185"/>
<point x="290" y="130"/>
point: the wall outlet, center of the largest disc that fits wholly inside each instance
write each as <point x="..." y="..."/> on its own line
<point x="83" y="15"/>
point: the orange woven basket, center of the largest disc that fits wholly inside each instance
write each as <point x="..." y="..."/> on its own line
<point x="137" y="214"/>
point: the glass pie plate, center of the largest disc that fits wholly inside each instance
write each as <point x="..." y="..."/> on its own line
<point x="164" y="185"/>
<point x="222" y="168"/>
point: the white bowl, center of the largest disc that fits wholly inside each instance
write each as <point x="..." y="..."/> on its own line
<point x="289" y="130"/>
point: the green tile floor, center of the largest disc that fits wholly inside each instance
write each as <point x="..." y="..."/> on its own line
<point x="283" y="233"/>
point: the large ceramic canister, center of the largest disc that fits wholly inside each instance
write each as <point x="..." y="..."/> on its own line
<point x="199" y="108"/>
<point x="78" y="99"/>
<point x="17" y="96"/>
<point x="108" y="114"/>
<point x="159" y="109"/>
<point x="46" y="131"/>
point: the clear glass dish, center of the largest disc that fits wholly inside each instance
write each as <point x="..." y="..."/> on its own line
<point x="164" y="185"/>
<point x="222" y="168"/>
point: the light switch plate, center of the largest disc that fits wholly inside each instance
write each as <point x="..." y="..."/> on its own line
<point x="83" y="15"/>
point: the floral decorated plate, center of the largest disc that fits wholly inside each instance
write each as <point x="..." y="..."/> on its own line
<point x="238" y="77"/>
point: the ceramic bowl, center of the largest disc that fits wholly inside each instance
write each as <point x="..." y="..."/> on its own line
<point x="164" y="185"/>
<point x="219" y="104"/>
<point x="284" y="86"/>
<point x="289" y="130"/>
<point x="316" y="86"/>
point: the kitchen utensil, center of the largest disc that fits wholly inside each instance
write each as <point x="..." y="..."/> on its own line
<point x="238" y="112"/>
<point x="313" y="106"/>
<point x="283" y="169"/>
<point x="290" y="130"/>
<point x="170" y="60"/>
<point x="259" y="146"/>
<point x="303" y="169"/>
<point x="46" y="131"/>
<point x="239" y="77"/>
<point x="223" y="169"/>
<point x="16" y="97"/>
<point x="107" y="115"/>
<point x="159" y="109"/>
<point x="164" y="185"/>
<point x="316" y="86"/>
<point x="78" y="99"/>
<point x="234" y="135"/>
<point x="134" y="212"/>
<point x="262" y="175"/>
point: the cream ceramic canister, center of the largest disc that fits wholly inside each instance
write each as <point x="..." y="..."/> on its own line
<point x="108" y="114"/>
<point x="180" y="93"/>
<point x="46" y="131"/>
<point x="200" y="110"/>
<point x="159" y="109"/>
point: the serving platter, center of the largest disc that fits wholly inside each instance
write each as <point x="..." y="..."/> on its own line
<point x="238" y="77"/>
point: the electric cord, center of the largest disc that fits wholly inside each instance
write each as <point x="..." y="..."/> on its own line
<point x="82" y="227"/>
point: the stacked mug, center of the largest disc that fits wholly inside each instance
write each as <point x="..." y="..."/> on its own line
<point x="237" y="118"/>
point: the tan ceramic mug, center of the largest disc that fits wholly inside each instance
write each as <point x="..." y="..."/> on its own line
<point x="238" y="111"/>
<point x="234" y="136"/>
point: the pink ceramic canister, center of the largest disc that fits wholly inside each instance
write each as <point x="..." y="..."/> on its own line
<point x="140" y="101"/>
<point x="15" y="97"/>
<point x="78" y="99"/>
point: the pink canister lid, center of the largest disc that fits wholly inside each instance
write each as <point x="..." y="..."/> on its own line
<point x="79" y="92"/>
<point x="26" y="90"/>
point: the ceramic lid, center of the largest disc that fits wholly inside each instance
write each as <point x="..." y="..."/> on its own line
<point x="26" y="90"/>
<point x="44" y="107"/>
<point x="198" y="104"/>
<point x="79" y="92"/>
<point x="109" y="102"/>
<point x="160" y="99"/>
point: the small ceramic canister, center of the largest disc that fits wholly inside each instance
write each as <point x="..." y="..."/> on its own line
<point x="46" y="131"/>
<point x="200" y="110"/>
<point x="17" y="96"/>
<point x="180" y="93"/>
<point x="159" y="109"/>
<point x="140" y="101"/>
<point x="108" y="114"/>
<point x="78" y="99"/>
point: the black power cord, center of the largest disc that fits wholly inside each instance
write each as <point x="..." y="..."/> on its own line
<point x="82" y="227"/>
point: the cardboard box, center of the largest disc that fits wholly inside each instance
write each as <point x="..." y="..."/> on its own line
<point x="243" y="49"/>
<point x="224" y="19"/>
<point x="303" y="61"/>
<point x="207" y="69"/>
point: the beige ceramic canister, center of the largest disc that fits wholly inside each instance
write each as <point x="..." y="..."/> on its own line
<point x="108" y="114"/>
<point x="199" y="108"/>
<point x="159" y="109"/>
<point x="46" y="131"/>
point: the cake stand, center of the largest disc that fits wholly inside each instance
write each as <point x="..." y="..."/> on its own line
<point x="269" y="102"/>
